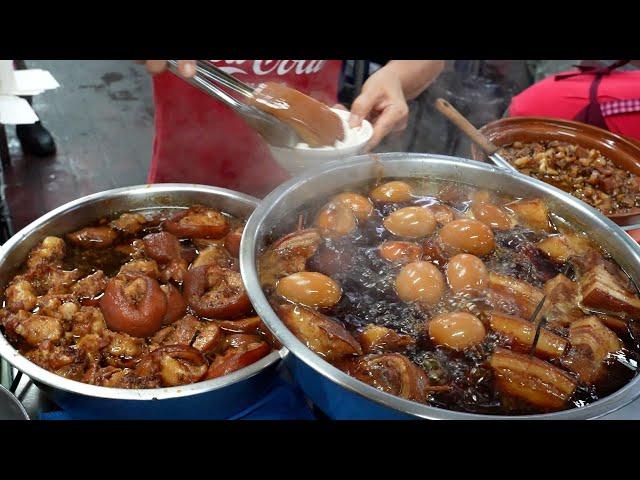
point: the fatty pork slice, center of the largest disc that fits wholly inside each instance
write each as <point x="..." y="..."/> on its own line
<point x="591" y="345"/>
<point x="522" y="333"/>
<point x="562" y="302"/>
<point x="530" y="379"/>
<point x="525" y="297"/>
<point x="603" y="292"/>
<point x="533" y="213"/>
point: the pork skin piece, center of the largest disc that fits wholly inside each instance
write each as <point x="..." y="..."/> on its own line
<point x="532" y="213"/>
<point x="531" y="379"/>
<point x="375" y="338"/>
<point x="560" y="248"/>
<point x="562" y="305"/>
<point x="288" y="255"/>
<point x="527" y="297"/>
<point x="38" y="328"/>
<point x="93" y="237"/>
<point x="591" y="344"/>
<point x="129" y="223"/>
<point x="50" y="251"/>
<point x="321" y="334"/>
<point x="604" y="292"/>
<point x="20" y="295"/>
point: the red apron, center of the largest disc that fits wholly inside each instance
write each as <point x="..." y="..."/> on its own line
<point x="599" y="96"/>
<point x="200" y="140"/>
<point x="592" y="113"/>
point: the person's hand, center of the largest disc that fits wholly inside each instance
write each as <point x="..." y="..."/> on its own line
<point x="382" y="100"/>
<point x="187" y="68"/>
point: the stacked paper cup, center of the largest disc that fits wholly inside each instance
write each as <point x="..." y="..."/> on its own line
<point x="7" y="78"/>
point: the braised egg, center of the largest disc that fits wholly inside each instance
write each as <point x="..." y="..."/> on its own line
<point x="456" y="330"/>
<point x="360" y="205"/>
<point x="392" y="192"/>
<point x="309" y="288"/>
<point x="491" y="215"/>
<point x="466" y="272"/>
<point x="336" y="219"/>
<point x="420" y="281"/>
<point x="412" y="222"/>
<point x="468" y="236"/>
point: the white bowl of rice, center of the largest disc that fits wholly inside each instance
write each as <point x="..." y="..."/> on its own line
<point x="296" y="160"/>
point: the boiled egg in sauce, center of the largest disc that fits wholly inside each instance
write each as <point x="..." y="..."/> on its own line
<point x="311" y="289"/>
<point x="420" y="282"/>
<point x="456" y="330"/>
<point x="468" y="236"/>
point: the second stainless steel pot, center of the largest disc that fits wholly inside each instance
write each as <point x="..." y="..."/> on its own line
<point x="342" y="396"/>
<point x="217" y="398"/>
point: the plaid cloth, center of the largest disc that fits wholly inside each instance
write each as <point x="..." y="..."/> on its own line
<point x="616" y="107"/>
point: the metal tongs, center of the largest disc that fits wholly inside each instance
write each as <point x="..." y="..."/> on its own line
<point x="539" y="324"/>
<point x="207" y="79"/>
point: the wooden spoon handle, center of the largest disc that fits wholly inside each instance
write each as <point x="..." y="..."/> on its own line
<point x="463" y="124"/>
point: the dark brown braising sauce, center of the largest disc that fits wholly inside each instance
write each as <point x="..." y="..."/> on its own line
<point x="183" y="350"/>
<point x="369" y="297"/>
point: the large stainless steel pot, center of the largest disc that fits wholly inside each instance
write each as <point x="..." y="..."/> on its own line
<point x="342" y="396"/>
<point x="217" y="398"/>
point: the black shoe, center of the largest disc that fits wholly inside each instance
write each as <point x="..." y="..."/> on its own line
<point x="36" y="140"/>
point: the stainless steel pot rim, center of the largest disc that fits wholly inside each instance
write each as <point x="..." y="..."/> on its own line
<point x="46" y="377"/>
<point x="13" y="399"/>
<point x="604" y="406"/>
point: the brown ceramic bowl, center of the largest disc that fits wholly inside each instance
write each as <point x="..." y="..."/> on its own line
<point x="623" y="152"/>
<point x="632" y="140"/>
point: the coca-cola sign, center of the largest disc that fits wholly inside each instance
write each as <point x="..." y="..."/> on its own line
<point x="270" y="67"/>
